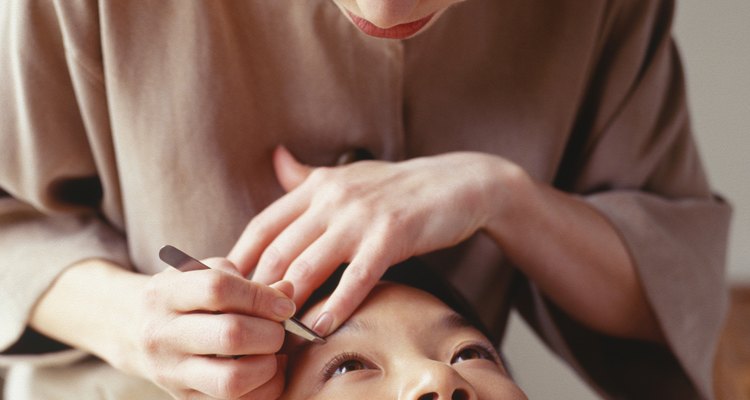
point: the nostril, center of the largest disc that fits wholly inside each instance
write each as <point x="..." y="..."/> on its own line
<point x="428" y="396"/>
<point x="460" y="394"/>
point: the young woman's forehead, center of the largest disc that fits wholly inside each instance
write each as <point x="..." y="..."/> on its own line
<point x="391" y="311"/>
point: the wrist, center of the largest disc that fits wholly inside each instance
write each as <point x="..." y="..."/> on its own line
<point x="510" y="197"/>
<point x="91" y="307"/>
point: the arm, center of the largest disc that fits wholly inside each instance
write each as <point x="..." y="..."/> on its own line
<point x="64" y="269"/>
<point x="559" y="241"/>
<point x="631" y="173"/>
<point x="574" y="255"/>
<point x="163" y="328"/>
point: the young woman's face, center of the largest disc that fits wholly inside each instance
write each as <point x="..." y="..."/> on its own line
<point x="402" y="343"/>
<point x="393" y="19"/>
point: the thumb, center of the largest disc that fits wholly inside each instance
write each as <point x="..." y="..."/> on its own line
<point x="290" y="172"/>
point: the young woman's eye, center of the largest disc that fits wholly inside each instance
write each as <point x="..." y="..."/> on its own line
<point x="349" y="366"/>
<point x="344" y="364"/>
<point x="471" y="353"/>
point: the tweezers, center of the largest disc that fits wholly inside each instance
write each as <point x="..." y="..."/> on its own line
<point x="183" y="262"/>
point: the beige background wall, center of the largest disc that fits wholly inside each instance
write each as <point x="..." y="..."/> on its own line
<point x="714" y="38"/>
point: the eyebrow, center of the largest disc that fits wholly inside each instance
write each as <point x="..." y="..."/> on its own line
<point x="454" y="321"/>
<point x="450" y="320"/>
<point x="357" y="325"/>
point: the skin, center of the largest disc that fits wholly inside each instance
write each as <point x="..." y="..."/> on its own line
<point x="356" y="213"/>
<point x="167" y="328"/>
<point x="167" y="332"/>
<point x="408" y="344"/>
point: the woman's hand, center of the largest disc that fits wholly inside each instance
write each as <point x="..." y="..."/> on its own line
<point x="372" y="214"/>
<point x="168" y="328"/>
<point x="195" y="322"/>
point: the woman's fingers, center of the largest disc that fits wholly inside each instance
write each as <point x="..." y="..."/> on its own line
<point x="226" y="378"/>
<point x="285" y="248"/>
<point x="262" y="229"/>
<point x="267" y="225"/>
<point x="187" y="317"/>
<point x="223" y="334"/>
<point x="358" y="279"/>
<point x="272" y="389"/>
<point x="373" y="213"/>
<point x="317" y="262"/>
<point x="216" y="291"/>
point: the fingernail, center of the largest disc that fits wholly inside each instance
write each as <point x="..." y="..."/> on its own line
<point x="284" y="308"/>
<point x="323" y="324"/>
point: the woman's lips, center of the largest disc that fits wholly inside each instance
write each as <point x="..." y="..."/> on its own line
<point x="401" y="31"/>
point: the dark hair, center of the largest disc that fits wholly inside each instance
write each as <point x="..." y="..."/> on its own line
<point x="413" y="273"/>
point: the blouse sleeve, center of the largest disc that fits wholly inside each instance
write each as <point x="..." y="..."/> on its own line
<point x="52" y="108"/>
<point x="633" y="158"/>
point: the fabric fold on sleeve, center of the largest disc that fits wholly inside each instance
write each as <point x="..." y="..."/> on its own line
<point x="678" y="248"/>
<point x="632" y="157"/>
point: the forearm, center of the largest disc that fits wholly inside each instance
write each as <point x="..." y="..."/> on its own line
<point x="92" y="307"/>
<point x="574" y="255"/>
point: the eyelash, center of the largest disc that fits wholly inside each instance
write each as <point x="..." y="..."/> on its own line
<point x="330" y="368"/>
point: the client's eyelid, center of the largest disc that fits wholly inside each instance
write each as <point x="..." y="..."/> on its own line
<point x="484" y="347"/>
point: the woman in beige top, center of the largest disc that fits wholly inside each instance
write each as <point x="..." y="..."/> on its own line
<point x="538" y="153"/>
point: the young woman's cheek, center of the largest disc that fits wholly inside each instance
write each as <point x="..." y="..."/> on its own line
<point x="492" y="384"/>
<point x="371" y="389"/>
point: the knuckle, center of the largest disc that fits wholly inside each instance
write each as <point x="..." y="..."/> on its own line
<point x="255" y="297"/>
<point x="149" y="340"/>
<point x="152" y="295"/>
<point x="359" y="210"/>
<point x="339" y="193"/>
<point x="391" y="223"/>
<point x="216" y="287"/>
<point x="301" y="271"/>
<point x="377" y="250"/>
<point x="231" y="335"/>
<point x="272" y="258"/>
<point x="319" y="174"/>
<point x="362" y="276"/>
<point x="231" y="384"/>
<point x="343" y="191"/>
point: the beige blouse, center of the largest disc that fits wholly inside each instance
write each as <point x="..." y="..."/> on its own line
<point x="126" y="125"/>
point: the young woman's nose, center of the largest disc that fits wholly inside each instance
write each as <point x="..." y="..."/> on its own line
<point x="437" y="381"/>
<point x="387" y="13"/>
